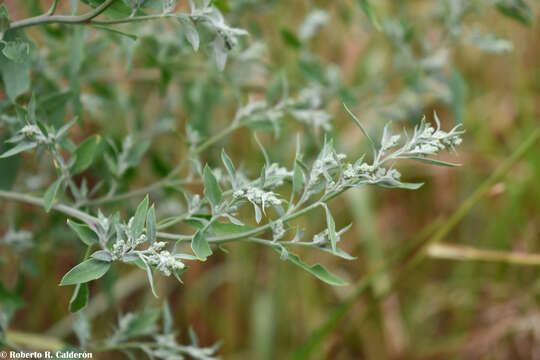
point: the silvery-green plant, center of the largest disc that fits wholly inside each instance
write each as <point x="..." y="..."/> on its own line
<point x="274" y="195"/>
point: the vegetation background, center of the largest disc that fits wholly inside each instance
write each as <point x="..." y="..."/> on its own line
<point x="476" y="305"/>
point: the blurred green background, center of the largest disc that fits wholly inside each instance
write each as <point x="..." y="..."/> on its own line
<point x="427" y="56"/>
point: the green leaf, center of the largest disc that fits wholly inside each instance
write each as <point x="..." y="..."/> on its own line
<point x="78" y="42"/>
<point x="178" y="273"/>
<point x="16" y="76"/>
<point x="20" y="147"/>
<point x="116" y="31"/>
<point x="136" y="152"/>
<point x="229" y="166"/>
<point x="366" y="7"/>
<point x="4" y="21"/>
<point x="200" y="246"/>
<point x="316" y="270"/>
<point x="434" y="161"/>
<point x="84" y="232"/>
<point x="50" y="194"/>
<point x="53" y="107"/>
<point x="263" y="150"/>
<point x="357" y="122"/>
<point x="168" y="321"/>
<point x="220" y="54"/>
<point x="9" y="166"/>
<point x="211" y="187"/>
<point x="79" y="298"/>
<point x="290" y="39"/>
<point x="151" y="225"/>
<point x="459" y="90"/>
<point x="32" y="114"/>
<point x="86" y="271"/>
<point x="331" y="224"/>
<point x="191" y="33"/>
<point x="151" y="279"/>
<point x="401" y="185"/>
<point x="16" y="51"/>
<point x="143" y="322"/>
<point x="229" y="228"/>
<point x="85" y="154"/>
<point x="137" y="226"/>
<point x="518" y="10"/>
<point x="298" y="177"/>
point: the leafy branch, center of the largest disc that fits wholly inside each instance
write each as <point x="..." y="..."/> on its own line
<point x="330" y="174"/>
<point x="49" y="18"/>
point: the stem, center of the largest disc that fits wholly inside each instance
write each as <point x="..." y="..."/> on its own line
<point x="48" y="18"/>
<point x="460" y="252"/>
<point x="246" y="234"/>
<point x="68" y="210"/>
<point x="133" y="19"/>
<point x="53" y="8"/>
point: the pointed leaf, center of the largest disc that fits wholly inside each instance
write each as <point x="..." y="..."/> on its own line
<point x="168" y="322"/>
<point x="137" y="225"/>
<point x="151" y="225"/>
<point x="151" y="279"/>
<point x="200" y="246"/>
<point x="401" y="185"/>
<point x="84" y="154"/>
<point x="116" y="31"/>
<point x="191" y="33"/>
<point x="220" y="53"/>
<point x="330" y="223"/>
<point x="357" y="122"/>
<point x="516" y="9"/>
<point x="20" y="147"/>
<point x="4" y="21"/>
<point x="84" y="232"/>
<point x="366" y="7"/>
<point x="50" y="195"/>
<point x="211" y="187"/>
<point x="434" y="161"/>
<point x="316" y="270"/>
<point x="79" y="298"/>
<point x="86" y="271"/>
<point x="298" y="178"/>
<point x="229" y="166"/>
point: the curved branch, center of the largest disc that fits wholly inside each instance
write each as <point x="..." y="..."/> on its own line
<point x="61" y="19"/>
<point x="68" y="210"/>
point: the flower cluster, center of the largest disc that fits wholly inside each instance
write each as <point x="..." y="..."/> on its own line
<point x="318" y="119"/>
<point x="327" y="160"/>
<point x="427" y="140"/>
<point x="163" y="260"/>
<point x="276" y="174"/>
<point x="278" y="230"/>
<point x="258" y="196"/>
<point x="125" y="242"/>
<point x="33" y="134"/>
<point x="371" y="173"/>
<point x="125" y="249"/>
